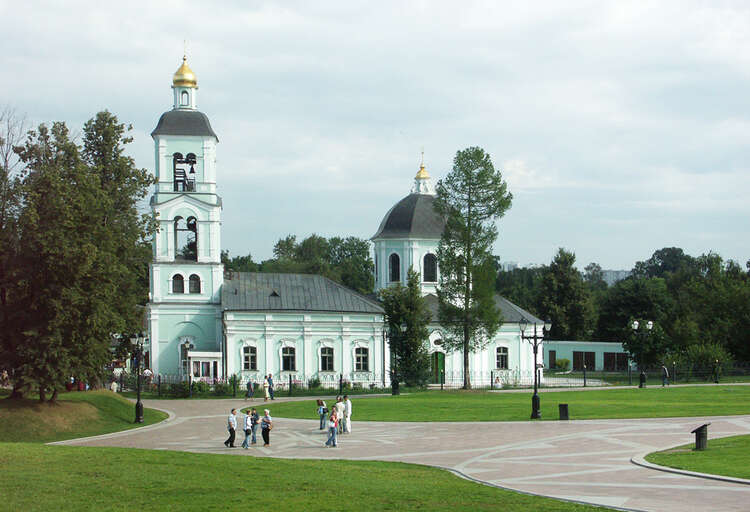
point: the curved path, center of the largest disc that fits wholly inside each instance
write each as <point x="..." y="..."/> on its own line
<point x="587" y="460"/>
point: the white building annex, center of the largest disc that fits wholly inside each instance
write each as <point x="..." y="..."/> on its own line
<point x="210" y="323"/>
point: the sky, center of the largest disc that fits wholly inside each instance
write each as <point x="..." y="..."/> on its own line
<point x="620" y="127"/>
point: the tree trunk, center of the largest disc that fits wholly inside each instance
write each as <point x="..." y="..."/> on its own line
<point x="17" y="392"/>
<point x="53" y="398"/>
<point x="42" y="394"/>
<point x="467" y="378"/>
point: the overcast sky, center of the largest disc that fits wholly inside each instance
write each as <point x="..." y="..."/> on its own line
<point x="620" y="128"/>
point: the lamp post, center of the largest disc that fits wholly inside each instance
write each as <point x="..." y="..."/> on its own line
<point x="137" y="341"/>
<point x="649" y="326"/>
<point x="394" y="374"/>
<point x="535" y="340"/>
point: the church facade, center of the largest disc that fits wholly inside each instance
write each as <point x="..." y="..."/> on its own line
<point x="209" y="323"/>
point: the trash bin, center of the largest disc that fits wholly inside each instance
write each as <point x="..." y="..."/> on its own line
<point x="701" y="436"/>
<point x="563" y="411"/>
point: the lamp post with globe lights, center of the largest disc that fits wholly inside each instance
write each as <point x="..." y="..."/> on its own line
<point x="536" y="340"/>
<point x="643" y="334"/>
<point x="137" y="340"/>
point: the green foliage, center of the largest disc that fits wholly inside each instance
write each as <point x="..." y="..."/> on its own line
<point x="562" y="364"/>
<point x="83" y="252"/>
<point x="344" y="260"/>
<point x="405" y="307"/>
<point x="521" y="286"/>
<point x="564" y="299"/>
<point x="313" y="383"/>
<point x="470" y="198"/>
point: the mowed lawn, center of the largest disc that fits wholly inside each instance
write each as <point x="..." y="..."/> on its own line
<point x="38" y="477"/>
<point x="728" y="456"/>
<point x="76" y="414"/>
<point x="487" y="406"/>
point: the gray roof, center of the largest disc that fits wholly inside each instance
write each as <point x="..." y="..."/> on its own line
<point x="258" y="291"/>
<point x="412" y="217"/>
<point x="511" y="313"/>
<point x="184" y="122"/>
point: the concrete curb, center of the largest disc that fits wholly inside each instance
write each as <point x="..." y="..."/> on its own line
<point x="497" y="486"/>
<point x="640" y="460"/>
<point x="162" y="424"/>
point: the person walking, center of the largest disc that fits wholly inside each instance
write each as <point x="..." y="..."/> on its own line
<point x="332" y="430"/>
<point x="347" y="415"/>
<point x="250" y="390"/>
<point x="322" y="411"/>
<point x="248" y="430"/>
<point x="664" y="376"/>
<point x="254" y="421"/>
<point x="339" y="414"/>
<point x="266" y="396"/>
<point x="266" y="426"/>
<point x="231" y="427"/>
<point x="270" y="385"/>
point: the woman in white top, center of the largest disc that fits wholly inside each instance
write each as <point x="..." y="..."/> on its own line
<point x="265" y="389"/>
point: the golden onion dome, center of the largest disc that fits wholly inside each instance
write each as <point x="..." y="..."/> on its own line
<point x="184" y="76"/>
<point x="422" y="174"/>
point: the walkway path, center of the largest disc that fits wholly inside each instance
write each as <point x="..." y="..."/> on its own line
<point x="586" y="461"/>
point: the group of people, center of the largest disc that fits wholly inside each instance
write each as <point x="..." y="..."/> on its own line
<point x="338" y="419"/>
<point x="267" y="388"/>
<point x="252" y="420"/>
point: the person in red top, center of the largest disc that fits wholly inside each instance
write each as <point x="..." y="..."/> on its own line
<point x="333" y="424"/>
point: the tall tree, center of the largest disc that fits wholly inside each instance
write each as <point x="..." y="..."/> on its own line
<point x="407" y="317"/>
<point x="564" y="298"/>
<point x="84" y="250"/>
<point x="11" y="135"/>
<point x="471" y="198"/>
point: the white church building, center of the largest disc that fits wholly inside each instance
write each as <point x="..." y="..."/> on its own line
<point x="210" y="323"/>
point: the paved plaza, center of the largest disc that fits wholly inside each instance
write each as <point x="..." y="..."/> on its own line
<point x="587" y="461"/>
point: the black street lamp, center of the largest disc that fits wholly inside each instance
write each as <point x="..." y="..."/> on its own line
<point x="137" y="341"/>
<point x="649" y="326"/>
<point x="535" y="340"/>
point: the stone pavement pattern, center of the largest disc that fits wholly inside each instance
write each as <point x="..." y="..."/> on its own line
<point x="586" y="461"/>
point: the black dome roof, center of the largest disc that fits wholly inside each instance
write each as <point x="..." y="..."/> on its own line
<point x="412" y="217"/>
<point x="184" y="122"/>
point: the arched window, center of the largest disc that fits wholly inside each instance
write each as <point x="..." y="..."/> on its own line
<point x="326" y="359"/>
<point x="249" y="358"/>
<point x="288" y="362"/>
<point x="501" y="358"/>
<point x="394" y="271"/>
<point x="195" y="283"/>
<point x="430" y="268"/>
<point x="184" y="98"/>
<point x="178" y="284"/>
<point x="361" y="359"/>
<point x="185" y="239"/>
<point x="183" y="182"/>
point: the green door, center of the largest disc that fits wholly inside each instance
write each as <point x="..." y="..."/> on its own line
<point x="438" y="366"/>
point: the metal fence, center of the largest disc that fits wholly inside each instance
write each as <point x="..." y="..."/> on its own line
<point x="298" y="384"/>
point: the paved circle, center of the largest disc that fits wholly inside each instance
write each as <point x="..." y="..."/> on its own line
<point x="586" y="461"/>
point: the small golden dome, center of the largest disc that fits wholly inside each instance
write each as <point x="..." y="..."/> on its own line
<point x="422" y="174"/>
<point x="184" y="77"/>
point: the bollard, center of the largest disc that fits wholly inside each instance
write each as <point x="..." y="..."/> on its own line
<point x="158" y="385"/>
<point x="563" y="408"/>
<point x="290" y="385"/>
<point x="701" y="436"/>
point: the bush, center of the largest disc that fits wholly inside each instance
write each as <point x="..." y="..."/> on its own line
<point x="313" y="383"/>
<point x="222" y="388"/>
<point x="562" y="364"/>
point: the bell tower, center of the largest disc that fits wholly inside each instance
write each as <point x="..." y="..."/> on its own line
<point x="186" y="274"/>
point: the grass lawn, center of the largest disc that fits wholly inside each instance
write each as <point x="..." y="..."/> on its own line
<point x="728" y="456"/>
<point x="484" y="406"/>
<point x="77" y="478"/>
<point x="77" y="414"/>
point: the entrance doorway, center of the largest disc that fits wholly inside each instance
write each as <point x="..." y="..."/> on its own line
<point x="438" y="366"/>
